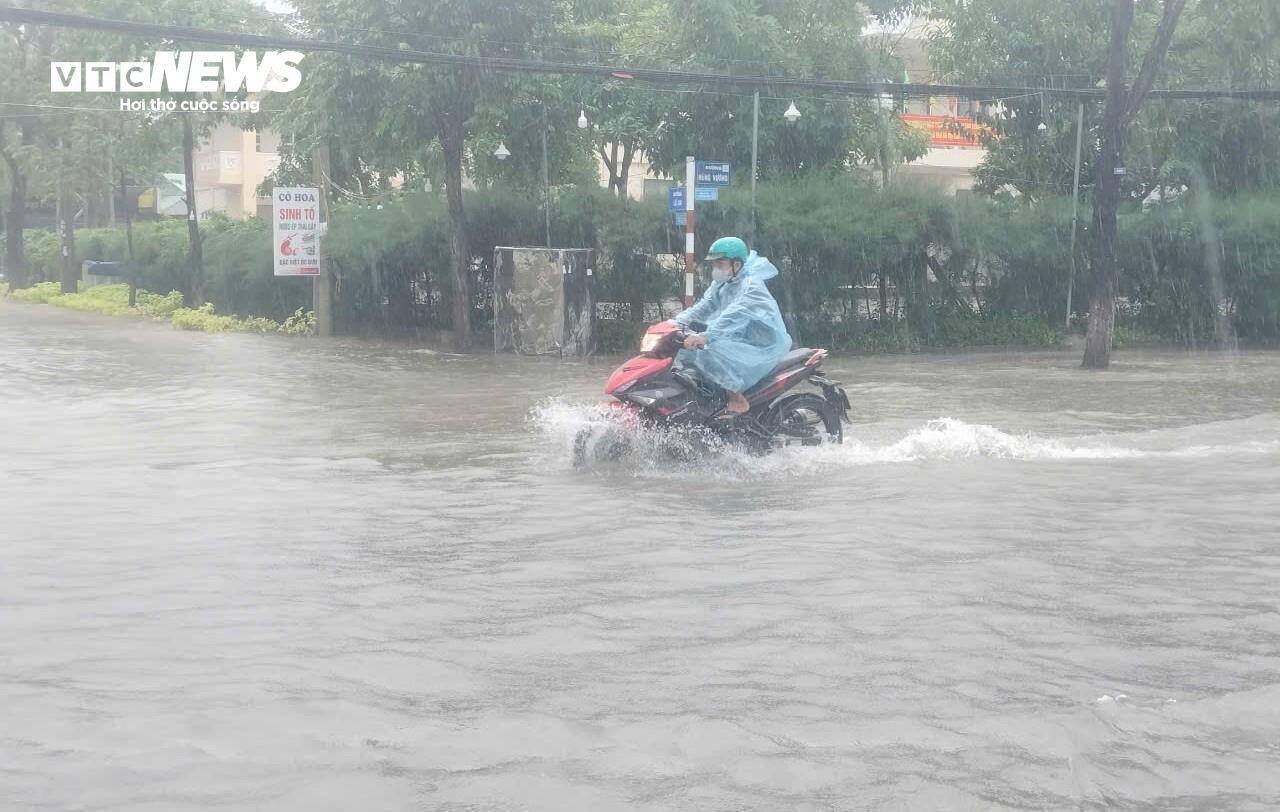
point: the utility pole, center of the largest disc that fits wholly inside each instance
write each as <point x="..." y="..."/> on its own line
<point x="755" y="143"/>
<point x="690" y="191"/>
<point x="322" y="287"/>
<point x="546" y="179"/>
<point x="66" y="224"/>
<point x="193" y="224"/>
<point x="1075" y="203"/>
<point x="884" y="101"/>
<point x="111" y="198"/>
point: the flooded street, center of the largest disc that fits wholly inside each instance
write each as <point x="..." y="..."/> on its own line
<point x="245" y="572"/>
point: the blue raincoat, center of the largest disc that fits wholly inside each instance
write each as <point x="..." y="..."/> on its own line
<point x="746" y="337"/>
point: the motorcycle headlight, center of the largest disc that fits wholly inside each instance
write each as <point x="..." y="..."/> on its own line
<point x="650" y="342"/>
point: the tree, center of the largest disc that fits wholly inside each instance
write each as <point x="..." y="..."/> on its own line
<point x="84" y="154"/>
<point x="387" y="115"/>
<point x="21" y="74"/>
<point x="814" y="38"/>
<point x="1121" y="106"/>
<point x="46" y="153"/>
<point x="1230" y="147"/>
<point x="230" y="14"/>
<point x="1221" y="148"/>
<point x="797" y="38"/>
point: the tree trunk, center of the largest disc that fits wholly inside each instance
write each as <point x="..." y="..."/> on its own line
<point x="193" y="223"/>
<point x="1103" y="272"/>
<point x="615" y="163"/>
<point x="15" y="221"/>
<point x="128" y="236"/>
<point x="1121" y="107"/>
<point x="452" y="143"/>
<point x="624" y="174"/>
<point x="608" y="164"/>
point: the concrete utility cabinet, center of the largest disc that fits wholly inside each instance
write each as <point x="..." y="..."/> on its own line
<point x="544" y="301"/>
<point x="95" y="272"/>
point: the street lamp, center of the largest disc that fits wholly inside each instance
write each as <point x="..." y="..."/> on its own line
<point x="792" y="115"/>
<point x="502" y="153"/>
<point x="582" y="119"/>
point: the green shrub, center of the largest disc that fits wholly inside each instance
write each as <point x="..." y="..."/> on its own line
<point x="959" y="272"/>
<point x="300" y="323"/>
<point x="204" y="318"/>
<point x="113" y="300"/>
<point x="39" y="293"/>
<point x="158" y="306"/>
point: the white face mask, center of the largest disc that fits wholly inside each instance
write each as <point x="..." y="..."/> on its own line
<point x="721" y="274"/>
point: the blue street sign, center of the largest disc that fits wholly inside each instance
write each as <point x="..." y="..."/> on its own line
<point x="711" y="173"/>
<point x="675" y="198"/>
<point x="706" y="193"/>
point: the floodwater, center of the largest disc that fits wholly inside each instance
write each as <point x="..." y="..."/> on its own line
<point x="245" y="572"/>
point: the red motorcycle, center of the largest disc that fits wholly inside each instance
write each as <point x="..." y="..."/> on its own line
<point x="651" y="392"/>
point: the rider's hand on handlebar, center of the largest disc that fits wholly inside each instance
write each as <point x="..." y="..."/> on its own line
<point x="693" y="342"/>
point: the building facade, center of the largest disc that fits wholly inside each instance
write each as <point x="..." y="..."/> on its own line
<point x="230" y="165"/>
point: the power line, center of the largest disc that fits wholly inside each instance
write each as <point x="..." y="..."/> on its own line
<point x="517" y="65"/>
<point x="58" y="107"/>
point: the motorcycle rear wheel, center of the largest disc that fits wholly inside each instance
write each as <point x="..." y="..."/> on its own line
<point x="805" y="419"/>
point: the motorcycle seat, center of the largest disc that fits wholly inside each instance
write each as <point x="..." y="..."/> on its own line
<point x="793" y="359"/>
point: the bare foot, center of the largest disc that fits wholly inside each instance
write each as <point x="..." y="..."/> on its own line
<point x="737" y="403"/>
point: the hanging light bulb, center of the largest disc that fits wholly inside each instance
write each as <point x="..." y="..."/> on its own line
<point x="502" y="153"/>
<point x="792" y="115"/>
<point x="582" y="119"/>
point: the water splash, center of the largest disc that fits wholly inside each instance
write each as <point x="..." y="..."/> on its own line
<point x="592" y="436"/>
<point x="945" y="438"/>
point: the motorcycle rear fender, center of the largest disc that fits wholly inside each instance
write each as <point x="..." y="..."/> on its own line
<point x="835" y="395"/>
<point x="781" y="383"/>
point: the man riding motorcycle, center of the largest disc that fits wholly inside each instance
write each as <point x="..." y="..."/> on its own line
<point x="745" y="336"/>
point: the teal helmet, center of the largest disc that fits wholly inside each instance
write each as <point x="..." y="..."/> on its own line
<point x="728" y="248"/>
